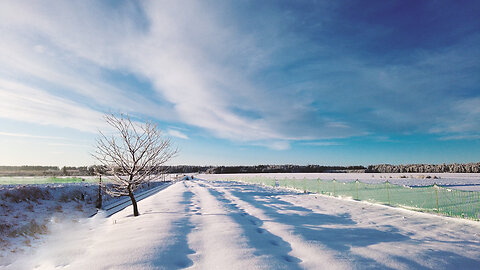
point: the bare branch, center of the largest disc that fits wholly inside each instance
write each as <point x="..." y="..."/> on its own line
<point x="132" y="154"/>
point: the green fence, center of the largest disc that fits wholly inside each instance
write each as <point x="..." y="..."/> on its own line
<point x="434" y="199"/>
<point x="43" y="180"/>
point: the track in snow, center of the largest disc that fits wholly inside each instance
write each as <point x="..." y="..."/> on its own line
<point x="224" y="225"/>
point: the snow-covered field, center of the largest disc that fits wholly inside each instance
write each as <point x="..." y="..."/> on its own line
<point x="226" y="225"/>
<point x="464" y="181"/>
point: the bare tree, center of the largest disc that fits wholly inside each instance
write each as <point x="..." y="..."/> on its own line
<point x="132" y="155"/>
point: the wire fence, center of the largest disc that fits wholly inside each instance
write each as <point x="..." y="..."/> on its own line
<point x="433" y="199"/>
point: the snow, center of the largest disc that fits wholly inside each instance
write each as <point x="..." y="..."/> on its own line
<point x="464" y="181"/>
<point x="201" y="224"/>
<point x="29" y="211"/>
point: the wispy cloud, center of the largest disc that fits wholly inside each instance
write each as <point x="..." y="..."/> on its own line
<point x="71" y="145"/>
<point x="23" y="103"/>
<point x="23" y="135"/>
<point x="177" y="133"/>
<point x="283" y="82"/>
<point x="322" y="143"/>
<point x="460" y="137"/>
<point x="187" y="69"/>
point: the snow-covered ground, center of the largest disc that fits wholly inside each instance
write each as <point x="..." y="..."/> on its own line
<point x="464" y="181"/>
<point x="28" y="212"/>
<point x="226" y="225"/>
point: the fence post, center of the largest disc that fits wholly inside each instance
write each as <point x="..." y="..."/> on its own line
<point x="99" y="200"/>
<point x="334" y="187"/>
<point x="388" y="192"/>
<point x="356" y="187"/>
<point x="304" y="185"/>
<point x="436" y="196"/>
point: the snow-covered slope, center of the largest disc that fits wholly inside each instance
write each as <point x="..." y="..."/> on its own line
<point x="225" y="225"/>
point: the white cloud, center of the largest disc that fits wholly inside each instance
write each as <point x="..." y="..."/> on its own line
<point x="274" y="145"/>
<point x="24" y="135"/>
<point x="177" y="133"/>
<point x="460" y="137"/>
<point x="321" y="143"/>
<point x="22" y="103"/>
<point x="182" y="49"/>
<point x="202" y="67"/>
<point x="279" y="145"/>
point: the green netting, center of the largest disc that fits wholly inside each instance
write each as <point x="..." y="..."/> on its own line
<point x="42" y="180"/>
<point x="435" y="199"/>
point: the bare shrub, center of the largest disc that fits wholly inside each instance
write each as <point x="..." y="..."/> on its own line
<point x="74" y="195"/>
<point x="30" y="229"/>
<point x="29" y="207"/>
<point x="26" y="193"/>
<point x="5" y="228"/>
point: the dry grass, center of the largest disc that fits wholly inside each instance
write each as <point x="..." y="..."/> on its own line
<point x="5" y="228"/>
<point x="29" y="207"/>
<point x="74" y="195"/>
<point x="30" y="229"/>
<point x="26" y="193"/>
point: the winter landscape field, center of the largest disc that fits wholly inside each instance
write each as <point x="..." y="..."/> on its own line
<point x="224" y="134"/>
<point x="215" y="224"/>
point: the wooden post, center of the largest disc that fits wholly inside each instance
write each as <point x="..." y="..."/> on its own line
<point x="334" y="187"/>
<point x="356" y="187"/>
<point x="99" y="202"/>
<point x="388" y="192"/>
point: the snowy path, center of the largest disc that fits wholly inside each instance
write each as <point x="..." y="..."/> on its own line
<point x="224" y="225"/>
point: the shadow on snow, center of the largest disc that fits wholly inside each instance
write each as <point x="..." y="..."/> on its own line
<point x="307" y="224"/>
<point x="175" y="255"/>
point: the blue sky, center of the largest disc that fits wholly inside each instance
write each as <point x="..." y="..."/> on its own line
<point x="244" y="82"/>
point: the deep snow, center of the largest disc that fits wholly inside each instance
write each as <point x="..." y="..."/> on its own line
<point x="225" y="225"/>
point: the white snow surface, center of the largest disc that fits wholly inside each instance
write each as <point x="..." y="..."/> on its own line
<point x="228" y="225"/>
<point x="463" y="181"/>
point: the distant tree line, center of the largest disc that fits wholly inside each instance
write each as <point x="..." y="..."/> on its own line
<point x="283" y="169"/>
<point x="425" y="168"/>
<point x="177" y="169"/>
<point x="188" y="169"/>
<point x="46" y="171"/>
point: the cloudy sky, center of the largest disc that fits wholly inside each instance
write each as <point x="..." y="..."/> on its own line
<point x="244" y="82"/>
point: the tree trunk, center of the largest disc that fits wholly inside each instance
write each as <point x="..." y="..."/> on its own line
<point x="134" y="202"/>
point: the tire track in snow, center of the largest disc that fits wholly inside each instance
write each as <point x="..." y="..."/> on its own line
<point x="312" y="255"/>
